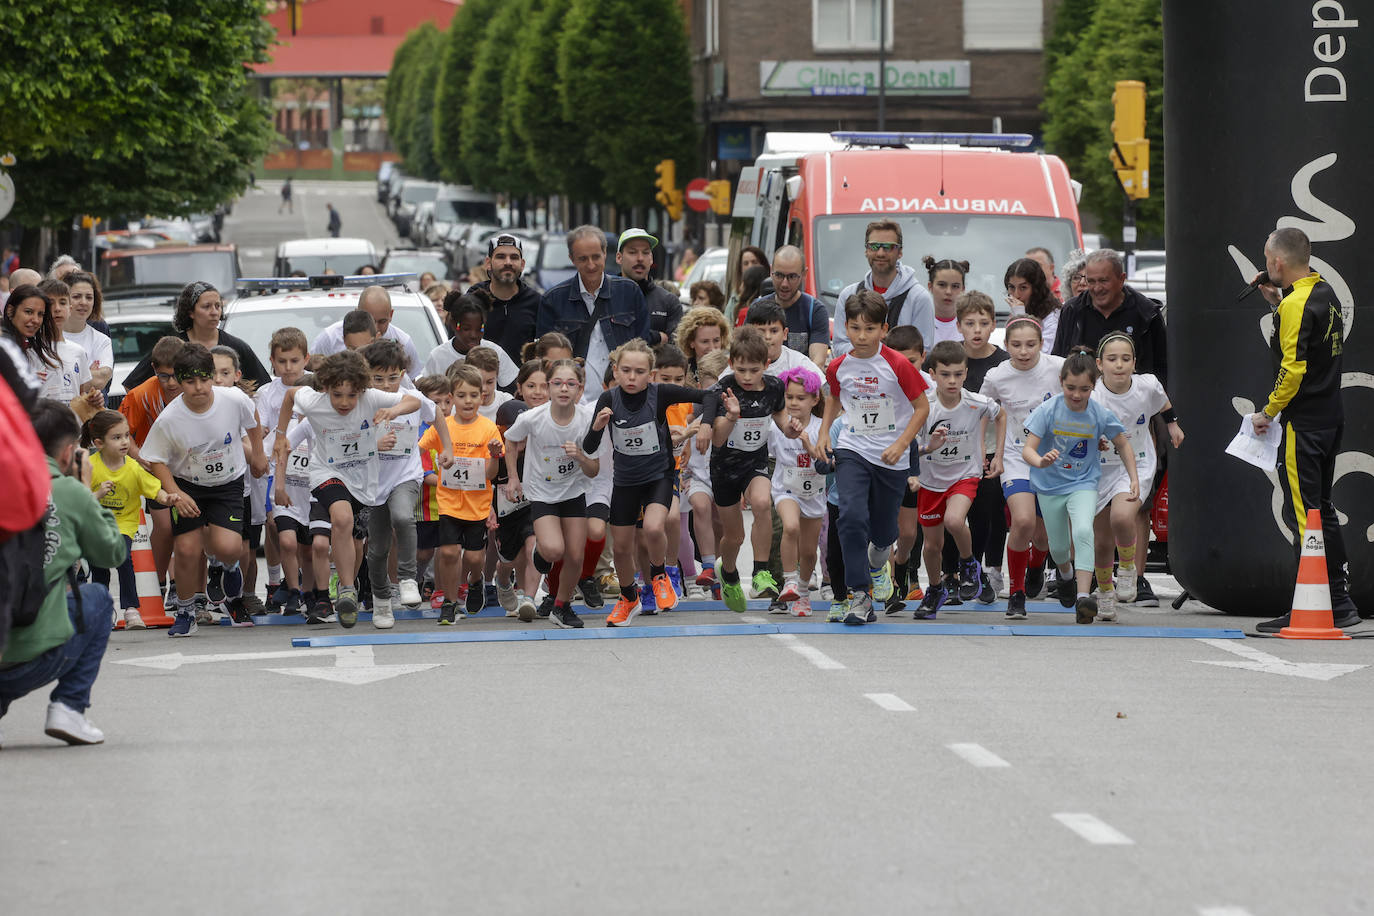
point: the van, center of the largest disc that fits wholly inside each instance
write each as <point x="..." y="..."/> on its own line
<point x="966" y="197"/>
<point x="314" y="256"/>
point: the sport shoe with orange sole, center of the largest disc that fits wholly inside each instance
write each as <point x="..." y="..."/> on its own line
<point x="625" y="610"/>
<point x="916" y="594"/>
<point x="664" y="594"/>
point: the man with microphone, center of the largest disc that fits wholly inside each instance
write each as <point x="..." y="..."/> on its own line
<point x="1306" y="345"/>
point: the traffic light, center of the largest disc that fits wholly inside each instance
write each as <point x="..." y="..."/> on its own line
<point x="668" y="194"/>
<point x="1130" y="148"/>
<point x="719" y="190"/>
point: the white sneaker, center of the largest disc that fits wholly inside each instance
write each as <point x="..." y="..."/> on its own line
<point x="524" y="607"/>
<point x="826" y="593"/>
<point x="998" y="583"/>
<point x="1125" y="584"/>
<point x="695" y="592"/>
<point x="505" y="595"/>
<point x="410" y="593"/>
<point x="382" y="618"/>
<point x="1106" y="605"/>
<point x="132" y="620"/>
<point x="71" y="726"/>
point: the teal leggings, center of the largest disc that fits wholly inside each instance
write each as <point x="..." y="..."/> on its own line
<point x="1065" y="513"/>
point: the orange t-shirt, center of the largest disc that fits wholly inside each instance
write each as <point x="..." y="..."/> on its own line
<point x="141" y="407"/>
<point x="464" y="490"/>
<point x="680" y="415"/>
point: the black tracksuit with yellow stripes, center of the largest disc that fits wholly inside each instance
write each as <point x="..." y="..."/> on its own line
<point x="1306" y="345"/>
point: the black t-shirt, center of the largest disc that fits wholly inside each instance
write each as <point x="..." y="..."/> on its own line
<point x="506" y="415"/>
<point x="979" y="367"/>
<point x="636" y="461"/>
<point x="750" y="433"/>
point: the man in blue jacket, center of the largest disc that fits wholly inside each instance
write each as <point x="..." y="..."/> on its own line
<point x="595" y="311"/>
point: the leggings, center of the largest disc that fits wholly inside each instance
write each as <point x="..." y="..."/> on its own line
<point x="1067" y="511"/>
<point x="128" y="586"/>
<point x="396" y="514"/>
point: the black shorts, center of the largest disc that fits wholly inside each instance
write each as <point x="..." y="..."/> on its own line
<point x="728" y="486"/>
<point x="152" y="505"/>
<point x="628" y="502"/>
<point x="910" y="498"/>
<point x="333" y="491"/>
<point x="511" y="533"/>
<point x="599" y="510"/>
<point x="426" y="535"/>
<point x="221" y="506"/>
<point x="568" y="508"/>
<point x="251" y="533"/>
<point x="469" y="534"/>
<point x="286" y="523"/>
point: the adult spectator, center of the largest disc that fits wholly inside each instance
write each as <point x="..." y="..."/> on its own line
<point x="1306" y="344"/>
<point x="751" y="288"/>
<point x="85" y="325"/>
<point x="1045" y="259"/>
<point x="24" y="276"/>
<point x="707" y="293"/>
<point x="808" y="321"/>
<point x="367" y="270"/>
<point x="1072" y="271"/>
<point x="66" y="641"/>
<point x="749" y="256"/>
<point x="376" y="301"/>
<point x="908" y="300"/>
<point x="1111" y="305"/>
<point x="335" y="221"/>
<point x="635" y="255"/>
<point x="1027" y="288"/>
<point x="196" y="320"/>
<point x="286" y="202"/>
<point x="28" y="486"/>
<point x="63" y="265"/>
<point x="514" y="303"/>
<point x="594" y="310"/>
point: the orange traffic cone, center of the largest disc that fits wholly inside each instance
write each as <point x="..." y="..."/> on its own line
<point x="1311" y="617"/>
<point x="150" y="606"/>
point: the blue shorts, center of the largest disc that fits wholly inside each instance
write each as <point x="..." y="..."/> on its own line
<point x="1011" y="487"/>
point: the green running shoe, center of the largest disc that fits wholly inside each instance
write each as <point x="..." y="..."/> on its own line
<point x="733" y="595"/>
<point x="333" y="586"/>
<point x="765" y="586"/>
<point x="838" y="608"/>
<point x="882" y="582"/>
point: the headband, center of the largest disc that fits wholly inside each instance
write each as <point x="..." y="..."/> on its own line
<point x="196" y="289"/>
<point x="193" y="373"/>
<point x="1115" y="335"/>
<point x="1013" y="321"/>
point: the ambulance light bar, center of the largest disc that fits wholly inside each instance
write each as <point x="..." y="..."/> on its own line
<point x="897" y="139"/>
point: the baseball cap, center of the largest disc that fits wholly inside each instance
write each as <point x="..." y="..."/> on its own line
<point x="631" y="234"/>
<point x="496" y="241"/>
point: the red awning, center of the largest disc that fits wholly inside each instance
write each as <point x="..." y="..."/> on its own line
<point x="331" y="56"/>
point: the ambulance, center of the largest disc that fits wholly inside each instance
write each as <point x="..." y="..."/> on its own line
<point x="980" y="198"/>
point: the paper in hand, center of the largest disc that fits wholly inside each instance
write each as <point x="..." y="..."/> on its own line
<point x="1252" y="448"/>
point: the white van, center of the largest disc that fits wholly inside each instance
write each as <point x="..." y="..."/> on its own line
<point x="315" y="256"/>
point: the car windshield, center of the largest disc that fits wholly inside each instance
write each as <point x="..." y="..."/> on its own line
<point x="132" y="339"/>
<point x="989" y="243"/>
<point x="709" y="267"/>
<point x="465" y="211"/>
<point x="257" y="327"/>
<point x="316" y="264"/>
<point x="414" y="193"/>
<point x="415" y="264"/>
<point x="215" y="267"/>
<point x="555" y="255"/>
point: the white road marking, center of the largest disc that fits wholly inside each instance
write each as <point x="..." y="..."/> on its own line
<point x="252" y="252"/>
<point x="752" y="620"/>
<point x="1093" y="830"/>
<point x="978" y="755"/>
<point x="352" y="664"/>
<point x="891" y="702"/>
<point x="1222" y="911"/>
<point x="1255" y="660"/>
<point x="816" y="657"/>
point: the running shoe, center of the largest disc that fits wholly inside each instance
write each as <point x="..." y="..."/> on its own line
<point x="319" y="612"/>
<point x="950" y="583"/>
<point x="707" y="577"/>
<point x="436" y="599"/>
<point x="214" y="583"/>
<point x="801" y="607"/>
<point x="448" y="614"/>
<point x="625" y="610"/>
<point x="970" y="579"/>
<point x="894" y="605"/>
<point x="277" y="596"/>
<point x="1144" y="595"/>
<point x="675" y="577"/>
<point x="1125" y="584"/>
<point x="409" y="594"/>
<point x="233" y="582"/>
<point x="382" y="616"/>
<point x="1065" y="589"/>
<point x="564" y="618"/>
<point x="524" y="607"/>
<point x="133" y="620"/>
<point x="791" y="591"/>
<point x="293" y="602"/>
<point x="648" y="605"/>
<point x="777" y="606"/>
<point x="475" y="600"/>
<point x="1085" y="609"/>
<point x="732" y="593"/>
<point x="988" y="593"/>
<point x="882" y="585"/>
<point x="254" y="605"/>
<point x="347" y="608"/>
<point x="238" y="614"/>
<point x="183" y="625"/>
<point x="1035" y="581"/>
<point x="1106" y="605"/>
<point x="591" y="594"/>
<point x="931" y="604"/>
<point x="200" y="607"/>
<point x="916" y="594"/>
<point x="665" y="596"/>
<point x="333" y="586"/>
<point x="996" y="580"/>
<point x="838" y="608"/>
<point x="764" y="585"/>
<point x="545" y="607"/>
<point x="694" y="592"/>
<point x="489" y="595"/>
<point x="505" y="594"/>
<point x="1016" y="606"/>
<point x="860" y="610"/>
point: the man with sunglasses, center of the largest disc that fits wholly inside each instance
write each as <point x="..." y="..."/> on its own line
<point x="908" y="301"/>
<point x="808" y="320"/>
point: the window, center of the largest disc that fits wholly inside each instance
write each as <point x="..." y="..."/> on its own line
<point x="843" y="25"/>
<point x="1004" y="25"/>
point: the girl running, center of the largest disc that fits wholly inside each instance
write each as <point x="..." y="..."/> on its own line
<point x="1134" y="399"/>
<point x="946" y="285"/>
<point x="552" y="346"/>
<point x="516" y="575"/>
<point x="798" y="489"/>
<point x="1061" y="450"/>
<point x="1022" y="383"/>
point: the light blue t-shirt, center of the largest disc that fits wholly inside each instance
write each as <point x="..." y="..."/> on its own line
<point x="1075" y="434"/>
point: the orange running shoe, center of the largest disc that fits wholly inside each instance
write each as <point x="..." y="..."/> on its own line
<point x="625" y="610"/>
<point x="664" y="594"/>
<point x="916" y="594"/>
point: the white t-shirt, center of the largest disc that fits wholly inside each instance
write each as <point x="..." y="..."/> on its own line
<point x="1048" y="328"/>
<point x="599" y="487"/>
<point x="1019" y="392"/>
<point x="63" y="382"/>
<point x="402" y="461"/>
<point x="961" y="455"/>
<point x="331" y="341"/>
<point x="793" y="470"/>
<point x="1142" y="400"/>
<point x="875" y="400"/>
<point x="345" y="444"/>
<point x="598" y="353"/>
<point x="297" y="484"/>
<point x="489" y="410"/>
<point x="443" y="356"/>
<point x="790" y="359"/>
<point x="550" y="475"/>
<point x="268" y="401"/>
<point x="97" y="346"/>
<point x="205" y="449"/>
<point x="948" y="330"/>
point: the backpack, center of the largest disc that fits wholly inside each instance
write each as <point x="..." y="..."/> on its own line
<point x="27" y="506"/>
<point x="22" y="571"/>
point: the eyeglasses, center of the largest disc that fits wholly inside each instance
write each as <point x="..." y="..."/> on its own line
<point x="165" y="376"/>
<point x="790" y="278"/>
<point x="881" y="246"/>
<point x="565" y="383"/>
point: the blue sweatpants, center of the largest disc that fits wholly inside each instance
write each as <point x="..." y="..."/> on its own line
<point x="870" y="497"/>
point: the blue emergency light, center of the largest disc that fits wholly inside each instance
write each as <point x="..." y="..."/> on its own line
<point x="897" y="139"/>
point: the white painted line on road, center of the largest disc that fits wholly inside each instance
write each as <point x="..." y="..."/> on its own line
<point x="816" y="657"/>
<point x="978" y="755"/>
<point x="783" y="637"/>
<point x="891" y="702"/>
<point x="1223" y="911"/>
<point x="1093" y="830"/>
<point x="1272" y="664"/>
<point x="752" y="620"/>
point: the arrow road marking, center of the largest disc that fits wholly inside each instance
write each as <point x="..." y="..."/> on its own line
<point x="1255" y="660"/>
<point x="352" y="664"/>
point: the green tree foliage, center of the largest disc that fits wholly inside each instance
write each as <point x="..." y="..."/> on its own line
<point x="1071" y="21"/>
<point x="624" y="75"/>
<point x="132" y="107"/>
<point x="406" y="64"/>
<point x="1123" y="40"/>
<point x="421" y="161"/>
<point x="460" y="48"/>
<point x="479" y="142"/>
<point x="512" y="157"/>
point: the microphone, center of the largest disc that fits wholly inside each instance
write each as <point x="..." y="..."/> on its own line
<point x="1259" y="281"/>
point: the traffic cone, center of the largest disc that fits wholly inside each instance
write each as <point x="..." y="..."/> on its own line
<point x="150" y="606"/>
<point x="1311" y="617"/>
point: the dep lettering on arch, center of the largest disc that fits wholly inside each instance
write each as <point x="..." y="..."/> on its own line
<point x="1326" y="83"/>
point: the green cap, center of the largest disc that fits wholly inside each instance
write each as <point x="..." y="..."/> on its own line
<point x="631" y="234"/>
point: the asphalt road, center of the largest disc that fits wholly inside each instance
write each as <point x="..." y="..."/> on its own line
<point x="257" y="228"/>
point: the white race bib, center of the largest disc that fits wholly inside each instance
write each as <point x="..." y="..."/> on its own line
<point x="872" y="416"/>
<point x="802" y="481"/>
<point x="1135" y="437"/>
<point x="210" y="463"/>
<point x="556" y="466"/>
<point x="407" y="439"/>
<point x="348" y="447"/>
<point x="636" y="440"/>
<point x="749" y="433"/>
<point x="298" y="466"/>
<point x="466" y="474"/>
<point x="505" y="507"/>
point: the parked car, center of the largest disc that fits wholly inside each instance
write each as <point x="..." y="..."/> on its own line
<point x="393" y="189"/>
<point x="457" y="205"/>
<point x="416" y="261"/>
<point x="422" y="223"/>
<point x="384" y="180"/>
<point x="169" y="265"/>
<point x="411" y="194"/>
<point x="315" y="256"/>
<point x="458" y="245"/>
<point x="134" y="329"/>
<point x="710" y="266"/>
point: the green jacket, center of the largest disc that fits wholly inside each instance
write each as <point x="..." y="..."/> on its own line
<point x="81" y="528"/>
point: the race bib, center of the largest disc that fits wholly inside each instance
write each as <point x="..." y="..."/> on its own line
<point x="797" y="340"/>
<point x="504" y="505"/>
<point x="407" y="439"/>
<point x="749" y="433"/>
<point x="558" y="467"/>
<point x="802" y="481"/>
<point x="952" y="452"/>
<point x="466" y="474"/>
<point x="210" y="464"/>
<point x="298" y="466"/>
<point x="636" y="440"/>
<point x="1136" y="438"/>
<point x="872" y="416"/>
<point x="344" y="448"/>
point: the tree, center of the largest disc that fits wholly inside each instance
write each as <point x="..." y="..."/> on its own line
<point x="513" y="155"/>
<point x="1124" y="40"/>
<point x="129" y="108"/>
<point x="479" y="144"/>
<point x="460" y="47"/>
<point x="1071" y="21"/>
<point x="421" y="42"/>
<point x="624" y="74"/>
<point x="420" y="132"/>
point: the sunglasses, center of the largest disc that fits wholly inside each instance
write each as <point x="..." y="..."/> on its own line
<point x="881" y="246"/>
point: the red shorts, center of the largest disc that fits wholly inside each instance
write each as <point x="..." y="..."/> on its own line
<point x="930" y="505"/>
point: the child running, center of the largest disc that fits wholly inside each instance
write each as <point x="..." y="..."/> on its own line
<point x="798" y="488"/>
<point x="291" y="513"/>
<point x="120" y="485"/>
<point x="517" y="577"/>
<point x="1025" y="381"/>
<point x="951" y="470"/>
<point x="987" y="519"/>
<point x="946" y="285"/>
<point x="1134" y="399"/>
<point x="1065" y="474"/>
<point x="287" y="353"/>
<point x="879" y="397"/>
<point x="705" y="519"/>
<point x="636" y="410"/>
<point x="554" y="478"/>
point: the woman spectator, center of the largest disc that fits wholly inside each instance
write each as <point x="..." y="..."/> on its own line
<point x="750" y="288"/>
<point x="749" y="256"/>
<point x="196" y="320"/>
<point x="1028" y="291"/>
<point x="27" y="321"/>
<point x="85" y="325"/>
<point x="708" y="293"/>
<point x="1072" y="272"/>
